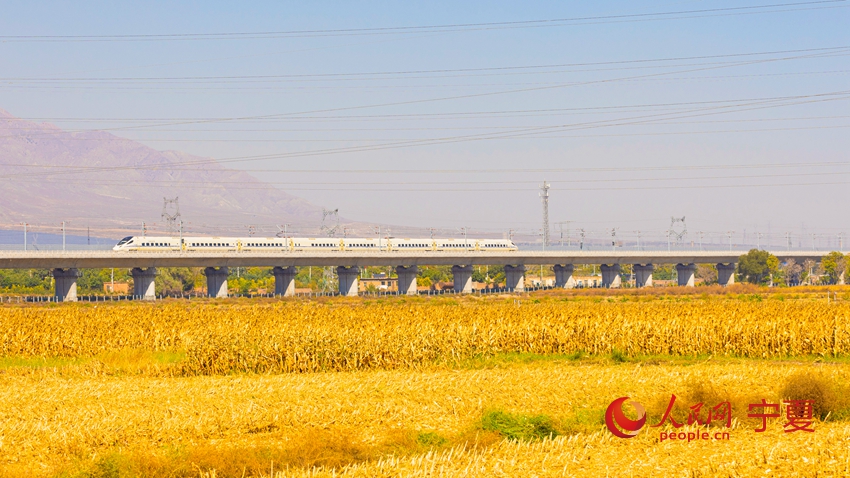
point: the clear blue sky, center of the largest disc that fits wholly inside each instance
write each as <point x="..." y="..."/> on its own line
<point x="579" y="79"/>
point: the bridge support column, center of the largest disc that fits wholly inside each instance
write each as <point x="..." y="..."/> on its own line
<point x="726" y="274"/>
<point x="143" y="282"/>
<point x="515" y="278"/>
<point x="611" y="276"/>
<point x="564" y="276"/>
<point x="462" y="279"/>
<point x="216" y="281"/>
<point x="407" y="279"/>
<point x="348" y="280"/>
<point x="65" y="284"/>
<point x="284" y="280"/>
<point x="685" y="273"/>
<point x="643" y="275"/>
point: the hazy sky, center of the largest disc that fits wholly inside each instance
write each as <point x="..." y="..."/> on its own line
<point x="733" y="114"/>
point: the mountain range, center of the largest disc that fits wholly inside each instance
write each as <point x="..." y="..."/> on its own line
<point x="99" y="180"/>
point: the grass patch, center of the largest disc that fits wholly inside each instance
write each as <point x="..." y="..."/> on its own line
<point x="39" y="362"/>
<point x="618" y="356"/>
<point x="515" y="358"/>
<point x="516" y="426"/>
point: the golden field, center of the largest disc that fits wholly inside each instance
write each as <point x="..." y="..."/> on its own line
<point x="406" y="387"/>
<point x="348" y="335"/>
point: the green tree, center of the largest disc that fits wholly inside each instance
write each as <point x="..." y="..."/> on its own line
<point x="834" y="265"/>
<point x="663" y="272"/>
<point x="176" y="280"/>
<point x="758" y="267"/>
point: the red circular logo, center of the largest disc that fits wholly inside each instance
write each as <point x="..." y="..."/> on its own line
<point x="621" y="425"/>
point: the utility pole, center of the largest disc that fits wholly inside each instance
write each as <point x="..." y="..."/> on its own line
<point x="511" y="235"/>
<point x="668" y="240"/>
<point x="814" y="248"/>
<point x="377" y="230"/>
<point x="700" y="233"/>
<point x="840" y="241"/>
<point x="613" y="239"/>
<point x="88" y="236"/>
<point x="432" y="229"/>
<point x="465" y="243"/>
<point x="788" y="239"/>
<point x="581" y="244"/>
<point x="544" y="195"/>
<point x="758" y="240"/>
<point x="729" y="233"/>
<point x="63" y="235"/>
<point x="25" y="235"/>
<point x="638" y="245"/>
<point x="282" y="231"/>
<point x="561" y="231"/>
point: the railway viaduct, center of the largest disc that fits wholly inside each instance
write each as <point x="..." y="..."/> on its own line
<point x="66" y="266"/>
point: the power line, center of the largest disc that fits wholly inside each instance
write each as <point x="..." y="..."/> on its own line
<point x="414" y="29"/>
<point x="457" y="97"/>
<point x="359" y="75"/>
<point x="787" y="101"/>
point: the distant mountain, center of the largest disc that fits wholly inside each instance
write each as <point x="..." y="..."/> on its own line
<point x="46" y="177"/>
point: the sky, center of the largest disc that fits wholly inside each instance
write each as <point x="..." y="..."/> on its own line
<point x="732" y="114"/>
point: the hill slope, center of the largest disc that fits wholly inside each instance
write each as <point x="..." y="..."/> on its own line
<point x="98" y="179"/>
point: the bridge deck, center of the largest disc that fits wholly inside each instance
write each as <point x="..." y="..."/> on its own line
<point x="105" y="259"/>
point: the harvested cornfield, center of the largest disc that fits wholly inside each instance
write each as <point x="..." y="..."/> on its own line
<point x="299" y="337"/>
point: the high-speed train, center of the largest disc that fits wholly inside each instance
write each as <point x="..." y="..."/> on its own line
<point x="303" y="244"/>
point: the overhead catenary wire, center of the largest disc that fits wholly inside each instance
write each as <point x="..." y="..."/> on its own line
<point x="604" y="123"/>
<point x="749" y="9"/>
<point x="457" y="97"/>
<point x="534" y="69"/>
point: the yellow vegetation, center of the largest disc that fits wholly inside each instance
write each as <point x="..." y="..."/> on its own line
<point x="51" y="423"/>
<point x="402" y="388"/>
<point x="308" y="337"/>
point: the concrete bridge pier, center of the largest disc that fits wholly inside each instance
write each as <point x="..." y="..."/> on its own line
<point x="462" y="279"/>
<point x="143" y="282"/>
<point x="216" y="281"/>
<point x="726" y="274"/>
<point x="611" y="276"/>
<point x="284" y="280"/>
<point x="407" y="279"/>
<point x="643" y="274"/>
<point x="65" y="284"/>
<point x="515" y="278"/>
<point x="348" y="280"/>
<point x="564" y="276"/>
<point x="685" y="274"/>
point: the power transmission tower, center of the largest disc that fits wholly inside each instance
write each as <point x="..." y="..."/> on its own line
<point x="330" y="231"/>
<point x="544" y="195"/>
<point x="170" y="214"/>
<point x="679" y="232"/>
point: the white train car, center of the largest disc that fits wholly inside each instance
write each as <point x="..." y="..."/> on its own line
<point x="305" y="244"/>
